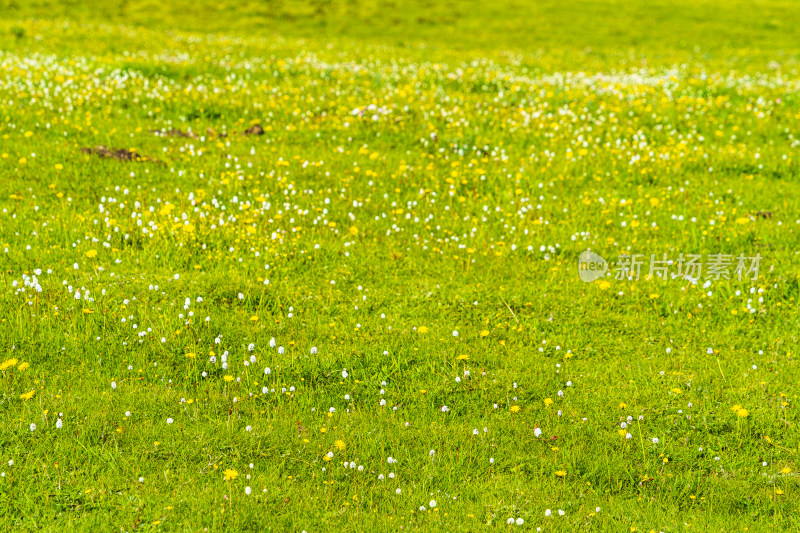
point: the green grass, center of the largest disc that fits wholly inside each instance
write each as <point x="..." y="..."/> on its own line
<point x="504" y="140"/>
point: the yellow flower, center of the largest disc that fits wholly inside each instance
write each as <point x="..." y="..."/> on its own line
<point x="786" y="470"/>
<point x="561" y="473"/>
<point x="339" y="444"/>
<point x="91" y="253"/>
<point x="422" y="329"/>
<point x="742" y="413"/>
<point x="515" y="408"/>
<point x="27" y="395"/>
<point x="23" y="366"/>
<point x="462" y="358"/>
<point x="230" y="474"/>
<point x="8" y="364"/>
<point x="485" y="333"/>
<point x="548" y="401"/>
<point x="228" y="378"/>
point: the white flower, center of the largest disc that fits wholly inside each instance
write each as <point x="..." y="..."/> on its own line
<point x="59" y="424"/>
<point x="33" y="427"/>
<point x="432" y="504"/>
<point x="596" y="509"/>
<point x="114" y="385"/>
<point x="345" y="374"/>
<point x="655" y="440"/>
<point x="560" y="512"/>
<point x="537" y="432"/>
<point x="267" y="371"/>
<point x="248" y="490"/>
<point x="510" y="521"/>
<point x="313" y="350"/>
<point x="547" y="512"/>
<point x="169" y="421"/>
<point x="455" y="333"/>
<point x="520" y="521"/>
<point x="491" y="460"/>
<point x="398" y="491"/>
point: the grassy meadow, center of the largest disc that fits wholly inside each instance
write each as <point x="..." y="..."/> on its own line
<point x="313" y="266"/>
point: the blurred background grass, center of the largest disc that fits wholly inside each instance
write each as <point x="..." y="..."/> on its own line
<point x="666" y="31"/>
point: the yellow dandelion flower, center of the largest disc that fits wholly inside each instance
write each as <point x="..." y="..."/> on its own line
<point x="561" y="473"/>
<point x="742" y="413"/>
<point x="548" y="401"/>
<point x="515" y="408"/>
<point x="23" y="366"/>
<point x="339" y="444"/>
<point x="91" y="253"/>
<point x="8" y="364"/>
<point x="27" y="395"/>
<point x="230" y="474"/>
<point x="228" y="378"/>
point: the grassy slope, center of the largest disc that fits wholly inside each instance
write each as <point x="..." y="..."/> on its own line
<point x="620" y="341"/>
